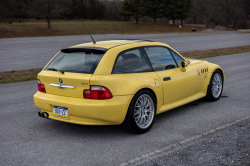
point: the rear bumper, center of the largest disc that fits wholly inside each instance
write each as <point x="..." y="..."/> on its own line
<point x="86" y="111"/>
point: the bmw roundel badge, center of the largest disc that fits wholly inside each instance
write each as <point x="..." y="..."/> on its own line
<point x="60" y="80"/>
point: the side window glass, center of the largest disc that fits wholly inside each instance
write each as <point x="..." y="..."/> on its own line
<point x="160" y="58"/>
<point x="177" y="58"/>
<point x="130" y="61"/>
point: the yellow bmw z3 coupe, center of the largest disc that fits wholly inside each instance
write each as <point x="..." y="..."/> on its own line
<point x="123" y="82"/>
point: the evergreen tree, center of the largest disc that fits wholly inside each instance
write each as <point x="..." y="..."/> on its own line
<point x="185" y="8"/>
<point x="171" y="11"/>
<point x="177" y="9"/>
<point x="102" y="11"/>
<point x="154" y="8"/>
<point x="132" y="8"/>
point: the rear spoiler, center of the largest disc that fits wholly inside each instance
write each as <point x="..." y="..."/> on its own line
<point x="96" y="50"/>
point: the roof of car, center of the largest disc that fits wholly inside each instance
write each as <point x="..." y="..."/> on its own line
<point x="108" y="43"/>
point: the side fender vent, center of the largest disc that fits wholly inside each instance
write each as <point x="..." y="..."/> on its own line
<point x="203" y="71"/>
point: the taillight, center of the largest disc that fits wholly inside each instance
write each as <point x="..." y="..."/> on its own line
<point x="41" y="87"/>
<point x="97" y="92"/>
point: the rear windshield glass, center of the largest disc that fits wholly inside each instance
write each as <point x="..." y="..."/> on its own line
<point x="75" y="62"/>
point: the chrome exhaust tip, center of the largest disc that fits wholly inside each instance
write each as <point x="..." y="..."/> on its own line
<point x="43" y="115"/>
<point x="46" y="115"/>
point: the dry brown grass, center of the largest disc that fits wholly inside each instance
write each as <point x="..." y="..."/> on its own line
<point x="216" y="52"/>
<point x="27" y="75"/>
<point x="64" y="28"/>
<point x="19" y="76"/>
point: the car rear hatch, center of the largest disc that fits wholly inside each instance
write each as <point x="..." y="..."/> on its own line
<point x="69" y="73"/>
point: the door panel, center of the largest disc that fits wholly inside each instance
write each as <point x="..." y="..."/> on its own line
<point x="179" y="85"/>
<point x="176" y="84"/>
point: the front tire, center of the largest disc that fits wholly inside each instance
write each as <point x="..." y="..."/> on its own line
<point x="215" y="87"/>
<point x="141" y="113"/>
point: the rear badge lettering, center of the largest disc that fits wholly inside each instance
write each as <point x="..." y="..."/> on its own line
<point x="83" y="83"/>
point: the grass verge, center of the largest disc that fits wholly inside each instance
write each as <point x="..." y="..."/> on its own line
<point x="216" y="52"/>
<point x="19" y="76"/>
<point x="27" y="75"/>
<point x="64" y="28"/>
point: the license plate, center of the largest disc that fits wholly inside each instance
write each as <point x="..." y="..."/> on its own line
<point x="60" y="111"/>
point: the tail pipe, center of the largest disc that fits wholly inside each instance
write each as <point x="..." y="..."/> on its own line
<point x="43" y="115"/>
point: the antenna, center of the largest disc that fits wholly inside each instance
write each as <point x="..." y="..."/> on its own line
<point x="89" y="33"/>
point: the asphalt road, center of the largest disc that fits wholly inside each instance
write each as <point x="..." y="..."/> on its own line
<point x="228" y="147"/>
<point x="33" y="52"/>
<point x="27" y="139"/>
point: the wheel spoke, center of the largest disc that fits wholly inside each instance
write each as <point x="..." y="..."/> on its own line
<point x="137" y="112"/>
<point x="140" y="122"/>
<point x="143" y="121"/>
<point x="137" y="119"/>
<point x="140" y="102"/>
<point x="146" y="102"/>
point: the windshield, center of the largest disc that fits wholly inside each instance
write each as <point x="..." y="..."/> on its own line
<point x="76" y="62"/>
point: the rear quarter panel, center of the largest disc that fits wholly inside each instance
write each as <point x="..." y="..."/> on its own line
<point x="130" y="84"/>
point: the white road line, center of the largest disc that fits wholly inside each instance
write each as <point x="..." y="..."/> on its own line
<point x="176" y="146"/>
<point x="240" y="67"/>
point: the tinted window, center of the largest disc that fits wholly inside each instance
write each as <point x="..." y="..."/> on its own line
<point x="160" y="58"/>
<point x="77" y="62"/>
<point x="177" y="58"/>
<point x="130" y="61"/>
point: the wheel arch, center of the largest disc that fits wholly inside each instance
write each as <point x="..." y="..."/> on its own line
<point x="223" y="74"/>
<point x="212" y="67"/>
<point x="150" y="90"/>
<point x="128" y="125"/>
<point x="208" y="94"/>
<point x="221" y="70"/>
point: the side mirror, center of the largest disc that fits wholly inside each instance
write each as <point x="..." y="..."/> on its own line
<point x="183" y="64"/>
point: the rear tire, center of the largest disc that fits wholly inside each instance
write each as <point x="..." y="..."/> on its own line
<point x="141" y="113"/>
<point x="215" y="86"/>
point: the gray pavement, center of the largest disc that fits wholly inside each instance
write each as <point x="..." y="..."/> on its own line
<point x="27" y="139"/>
<point x="228" y="147"/>
<point x="34" y="52"/>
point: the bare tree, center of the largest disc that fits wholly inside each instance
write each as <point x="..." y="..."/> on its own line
<point x="228" y="9"/>
<point x="45" y="8"/>
<point x="196" y="10"/>
<point x="4" y="12"/>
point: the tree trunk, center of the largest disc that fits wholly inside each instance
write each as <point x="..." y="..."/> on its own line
<point x="181" y="21"/>
<point x="173" y="21"/>
<point x="227" y="23"/>
<point x="136" y="20"/>
<point x="48" y="21"/>
<point x="154" y="17"/>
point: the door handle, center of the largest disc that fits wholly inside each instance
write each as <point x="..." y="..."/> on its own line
<point x="166" y="78"/>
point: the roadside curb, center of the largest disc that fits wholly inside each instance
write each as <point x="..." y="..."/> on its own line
<point x="177" y="146"/>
